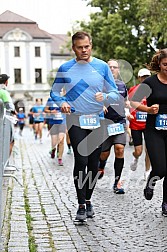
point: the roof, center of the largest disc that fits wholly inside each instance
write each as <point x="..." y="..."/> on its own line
<point x="11" y="17"/>
<point x="59" y="42"/>
<point x="10" y="21"/>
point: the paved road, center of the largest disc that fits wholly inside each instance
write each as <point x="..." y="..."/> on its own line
<point x="42" y="211"/>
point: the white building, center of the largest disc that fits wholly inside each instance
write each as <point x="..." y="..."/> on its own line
<point x="27" y="55"/>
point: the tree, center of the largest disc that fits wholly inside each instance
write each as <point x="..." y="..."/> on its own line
<point x="51" y="76"/>
<point x="128" y="29"/>
<point x="153" y="16"/>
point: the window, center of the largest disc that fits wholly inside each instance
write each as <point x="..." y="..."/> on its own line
<point x="17" y="51"/>
<point x="37" y="51"/>
<point x="17" y="75"/>
<point x="38" y="75"/>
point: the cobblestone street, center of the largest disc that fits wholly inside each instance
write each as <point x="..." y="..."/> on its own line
<point x="42" y="211"/>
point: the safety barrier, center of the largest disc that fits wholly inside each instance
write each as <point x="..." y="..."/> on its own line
<point x="6" y="129"/>
<point x="5" y="134"/>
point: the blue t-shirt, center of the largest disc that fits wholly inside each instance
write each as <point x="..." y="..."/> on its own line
<point x="21" y="117"/>
<point x="58" y="118"/>
<point x="82" y="80"/>
<point x="38" y="109"/>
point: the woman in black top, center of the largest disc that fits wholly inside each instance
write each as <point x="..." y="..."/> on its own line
<point x="155" y="90"/>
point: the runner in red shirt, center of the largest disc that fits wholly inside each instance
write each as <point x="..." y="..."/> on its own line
<point x="137" y="125"/>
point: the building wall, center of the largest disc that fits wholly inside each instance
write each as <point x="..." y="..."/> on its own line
<point x="27" y="90"/>
<point x="57" y="61"/>
<point x="27" y="61"/>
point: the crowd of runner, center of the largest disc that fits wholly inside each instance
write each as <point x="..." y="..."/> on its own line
<point x="90" y="107"/>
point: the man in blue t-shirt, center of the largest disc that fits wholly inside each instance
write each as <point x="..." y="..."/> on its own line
<point x="88" y="84"/>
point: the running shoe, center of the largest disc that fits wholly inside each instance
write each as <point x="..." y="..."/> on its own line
<point x="89" y="210"/>
<point x="81" y="213"/>
<point x="100" y="172"/>
<point x="118" y="190"/>
<point x="133" y="165"/>
<point x="148" y="192"/>
<point x="164" y="209"/>
<point x="52" y="153"/>
<point x="60" y="162"/>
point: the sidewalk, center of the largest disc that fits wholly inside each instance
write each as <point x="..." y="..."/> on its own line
<point x="39" y="216"/>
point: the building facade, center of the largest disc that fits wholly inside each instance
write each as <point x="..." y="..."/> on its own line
<point x="29" y="55"/>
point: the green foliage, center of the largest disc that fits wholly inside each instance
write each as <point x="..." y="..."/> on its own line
<point x="51" y="76"/>
<point x="153" y="16"/>
<point x="128" y="29"/>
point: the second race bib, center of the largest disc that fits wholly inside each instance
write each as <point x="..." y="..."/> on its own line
<point x="115" y="129"/>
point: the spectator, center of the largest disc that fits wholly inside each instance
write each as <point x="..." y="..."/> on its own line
<point x="6" y="98"/>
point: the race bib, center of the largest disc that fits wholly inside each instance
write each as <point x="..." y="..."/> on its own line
<point x="115" y="129"/>
<point x="57" y="116"/>
<point x="141" y="116"/>
<point x="89" y="121"/>
<point x="161" y="122"/>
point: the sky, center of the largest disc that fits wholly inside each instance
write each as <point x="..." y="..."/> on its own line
<point x="53" y="16"/>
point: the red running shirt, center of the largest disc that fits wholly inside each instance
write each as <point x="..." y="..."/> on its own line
<point x="134" y="124"/>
